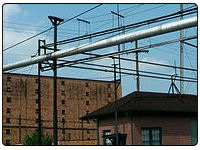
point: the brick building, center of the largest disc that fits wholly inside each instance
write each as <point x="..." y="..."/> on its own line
<point x="146" y="118"/>
<point x="76" y="97"/>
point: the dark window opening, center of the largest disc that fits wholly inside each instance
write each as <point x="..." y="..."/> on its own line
<point x="9" y="99"/>
<point x="63" y="120"/>
<point x="36" y="81"/>
<point x="87" y="103"/>
<point x="36" y="91"/>
<point x="107" y="141"/>
<point x="8" y="110"/>
<point x="63" y="93"/>
<point x="69" y="136"/>
<point x="8" y="89"/>
<point x="62" y="82"/>
<point x="63" y="102"/>
<point x="109" y="94"/>
<point x="37" y="111"/>
<point x="8" y="79"/>
<point x="7" y="131"/>
<point x="36" y="101"/>
<point x="7" y="142"/>
<point x="7" y="120"/>
<point x="88" y="121"/>
<point x="108" y="85"/>
<point x="151" y="136"/>
<point x="87" y="84"/>
<point x="63" y="112"/>
<point x="87" y="93"/>
<point x="88" y="138"/>
<point x="88" y="131"/>
<point x="36" y="120"/>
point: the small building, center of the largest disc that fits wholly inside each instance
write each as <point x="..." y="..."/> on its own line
<point x="147" y="118"/>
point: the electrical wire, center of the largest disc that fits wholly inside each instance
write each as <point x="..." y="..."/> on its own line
<point x="29" y="38"/>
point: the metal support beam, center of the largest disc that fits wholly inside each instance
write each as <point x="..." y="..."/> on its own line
<point x="190" y="44"/>
<point x="181" y="54"/>
<point x="137" y="68"/>
<point x="39" y="94"/>
<point x="55" y="21"/>
<point x="141" y="34"/>
<point x="115" y="98"/>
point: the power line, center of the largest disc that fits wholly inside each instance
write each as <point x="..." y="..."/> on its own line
<point x="127" y="27"/>
<point x="51" y="28"/>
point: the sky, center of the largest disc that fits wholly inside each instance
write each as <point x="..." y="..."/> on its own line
<point x="21" y="21"/>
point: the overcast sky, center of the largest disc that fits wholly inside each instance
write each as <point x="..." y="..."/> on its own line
<point x="21" y="21"/>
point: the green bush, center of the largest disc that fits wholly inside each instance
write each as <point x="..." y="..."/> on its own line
<point x="33" y="139"/>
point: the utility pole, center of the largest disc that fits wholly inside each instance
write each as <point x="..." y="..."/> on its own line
<point x="137" y="65"/>
<point x="55" y="21"/>
<point x="137" y="68"/>
<point x="118" y="19"/>
<point x="39" y="97"/>
<point x="181" y="55"/>
<point x="115" y="98"/>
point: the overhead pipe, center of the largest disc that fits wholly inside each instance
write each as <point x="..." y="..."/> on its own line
<point x="141" y="34"/>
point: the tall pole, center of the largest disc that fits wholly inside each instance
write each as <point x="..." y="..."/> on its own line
<point x="116" y="117"/>
<point x="39" y="97"/>
<point x="137" y="68"/>
<point x="55" y="21"/>
<point x="181" y="55"/>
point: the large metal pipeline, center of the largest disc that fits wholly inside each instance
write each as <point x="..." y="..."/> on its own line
<point x="141" y="34"/>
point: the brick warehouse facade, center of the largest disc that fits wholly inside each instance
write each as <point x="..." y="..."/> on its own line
<point x="76" y="97"/>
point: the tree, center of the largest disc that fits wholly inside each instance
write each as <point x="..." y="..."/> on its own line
<point x="33" y="139"/>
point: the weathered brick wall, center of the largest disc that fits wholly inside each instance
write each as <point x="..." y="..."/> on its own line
<point x="175" y="130"/>
<point x="74" y="93"/>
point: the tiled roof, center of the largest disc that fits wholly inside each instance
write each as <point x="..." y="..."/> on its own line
<point x="149" y="102"/>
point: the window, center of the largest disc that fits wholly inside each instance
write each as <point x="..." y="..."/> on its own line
<point x="36" y="101"/>
<point x="36" y="91"/>
<point x="36" y="81"/>
<point x="7" y="131"/>
<point x="8" y="89"/>
<point x="109" y="94"/>
<point x="7" y="120"/>
<point x="88" y="131"/>
<point x="8" y="99"/>
<point x="63" y="93"/>
<point x="87" y="84"/>
<point x="87" y="103"/>
<point x="36" y="111"/>
<point x="193" y="131"/>
<point x="7" y="142"/>
<point x="151" y="136"/>
<point x="108" y="85"/>
<point x="63" y="102"/>
<point x="8" y="110"/>
<point x="88" y="121"/>
<point x="87" y="93"/>
<point x="88" y="138"/>
<point x="106" y="141"/>
<point x="62" y="82"/>
<point x="63" y="120"/>
<point x="8" y="79"/>
<point x="36" y="120"/>
<point x="63" y="112"/>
